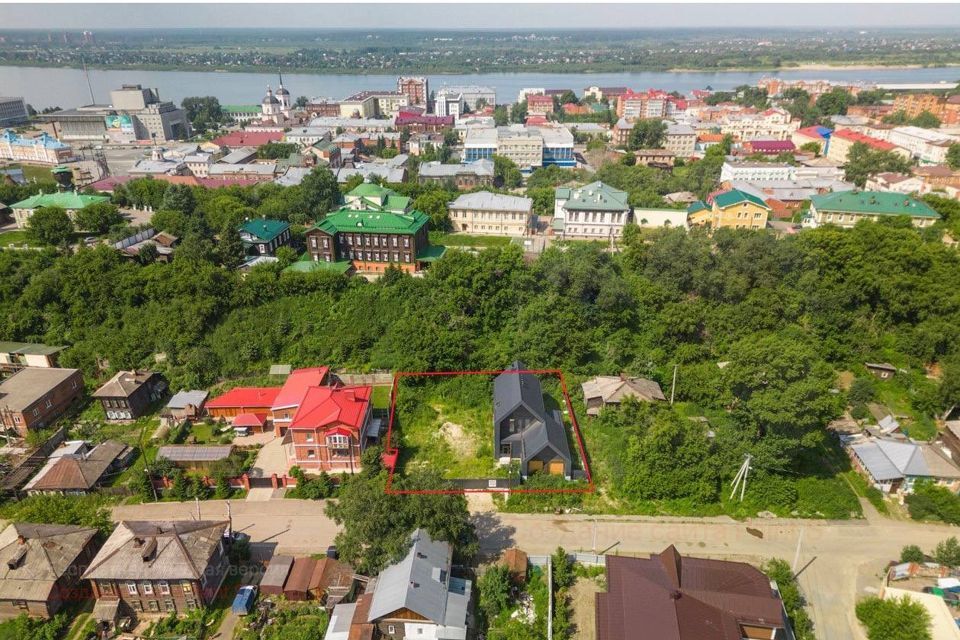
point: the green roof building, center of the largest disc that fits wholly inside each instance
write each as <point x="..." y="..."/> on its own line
<point x="595" y="211"/>
<point x="371" y="196"/>
<point x="376" y="228"/>
<point x="735" y="196"/>
<point x="846" y="208"/>
<point x="263" y="236"/>
<point x="69" y="201"/>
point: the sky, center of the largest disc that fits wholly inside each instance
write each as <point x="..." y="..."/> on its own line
<point x="448" y="15"/>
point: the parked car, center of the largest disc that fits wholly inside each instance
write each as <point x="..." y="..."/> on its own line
<point x="243" y="602"/>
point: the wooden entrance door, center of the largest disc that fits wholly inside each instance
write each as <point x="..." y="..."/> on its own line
<point x="534" y="465"/>
<point x="556" y="467"/>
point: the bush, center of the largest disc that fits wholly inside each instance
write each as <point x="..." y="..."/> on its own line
<point x="896" y="619"/>
<point x="87" y="511"/>
<point x="779" y="571"/>
<point x="912" y="553"/>
<point x="862" y="390"/>
<point x="494" y="588"/>
<point x="930" y="502"/>
<point x="23" y="627"/>
<point x="310" y="487"/>
<point x="948" y="552"/>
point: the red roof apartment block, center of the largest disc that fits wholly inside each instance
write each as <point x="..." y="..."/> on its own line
<point x="248" y="138"/>
<point x="670" y="596"/>
<point x="854" y="136"/>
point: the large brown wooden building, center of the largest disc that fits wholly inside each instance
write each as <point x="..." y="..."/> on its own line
<point x="34" y="397"/>
<point x="154" y="567"/>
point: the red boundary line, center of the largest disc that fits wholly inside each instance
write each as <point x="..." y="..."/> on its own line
<point x="391" y="454"/>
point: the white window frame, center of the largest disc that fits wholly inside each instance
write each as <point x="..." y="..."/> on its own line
<point x="338" y="441"/>
<point x="132" y="589"/>
<point x="147" y="588"/>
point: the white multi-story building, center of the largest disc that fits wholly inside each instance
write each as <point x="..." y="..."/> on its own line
<point x="449" y="104"/>
<point x="596" y="211"/>
<point x="523" y="146"/>
<point x="474" y="96"/>
<point x="488" y="213"/>
<point x="755" y="171"/>
<point x="41" y="150"/>
<point x="929" y="146"/>
<point x="530" y="91"/>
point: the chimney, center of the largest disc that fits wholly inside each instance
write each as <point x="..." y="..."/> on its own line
<point x="675" y="594"/>
<point x="147" y="552"/>
<point x="350" y="395"/>
<point x="21" y="539"/>
<point x="138" y="542"/>
<point x="17" y="558"/>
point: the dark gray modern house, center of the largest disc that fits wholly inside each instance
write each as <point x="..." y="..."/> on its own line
<point x="523" y="430"/>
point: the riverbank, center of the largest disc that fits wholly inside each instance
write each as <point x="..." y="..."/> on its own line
<point x="68" y="87"/>
<point x="567" y="69"/>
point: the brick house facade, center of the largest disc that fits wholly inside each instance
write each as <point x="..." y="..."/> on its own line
<point x="331" y="429"/>
<point x="34" y="397"/>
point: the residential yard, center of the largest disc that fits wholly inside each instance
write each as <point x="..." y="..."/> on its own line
<point x="381" y="396"/>
<point x="583" y="604"/>
<point x="467" y="240"/>
<point x="17" y="237"/>
<point x="286" y="620"/>
<point x="446" y="425"/>
<point x="33" y="173"/>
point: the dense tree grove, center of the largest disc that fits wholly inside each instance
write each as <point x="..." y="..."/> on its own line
<point x="783" y="314"/>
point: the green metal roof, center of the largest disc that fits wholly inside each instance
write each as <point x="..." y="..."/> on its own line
<point x="735" y="196"/>
<point x="368" y="190"/>
<point x="431" y="252"/>
<point x="64" y="200"/>
<point x="264" y="229"/>
<point x="595" y="196"/>
<point x="309" y="266"/>
<point x="872" y="203"/>
<point x="697" y="206"/>
<point x="375" y="221"/>
<point x="29" y="348"/>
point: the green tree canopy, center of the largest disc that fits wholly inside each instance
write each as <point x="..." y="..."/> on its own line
<point x="50" y="226"/>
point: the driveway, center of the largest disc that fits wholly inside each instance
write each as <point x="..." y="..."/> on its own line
<point x="270" y="459"/>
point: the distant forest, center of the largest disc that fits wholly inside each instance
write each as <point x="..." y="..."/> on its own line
<point x="479" y="51"/>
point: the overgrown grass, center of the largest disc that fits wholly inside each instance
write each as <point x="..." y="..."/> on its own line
<point x="461" y="451"/>
<point x="381" y="397"/>
<point x="467" y="240"/>
<point x="17" y="237"/>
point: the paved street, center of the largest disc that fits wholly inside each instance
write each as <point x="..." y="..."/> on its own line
<point x="842" y="558"/>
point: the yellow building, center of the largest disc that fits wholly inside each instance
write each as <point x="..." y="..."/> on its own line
<point x="732" y="209"/>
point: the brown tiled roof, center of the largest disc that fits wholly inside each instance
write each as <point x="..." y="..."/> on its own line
<point x="669" y="597"/>
<point x="123" y="384"/>
<point x="80" y="472"/>
<point x="360" y="629"/>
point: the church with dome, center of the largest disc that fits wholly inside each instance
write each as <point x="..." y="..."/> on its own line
<point x="276" y="107"/>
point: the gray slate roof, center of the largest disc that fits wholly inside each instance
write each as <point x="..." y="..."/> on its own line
<point x="888" y="460"/>
<point x="421" y="582"/>
<point x="513" y="390"/>
<point x="184" y="549"/>
<point x="181" y="399"/>
<point x="195" y="452"/>
<point x="487" y="201"/>
<point x="50" y="551"/>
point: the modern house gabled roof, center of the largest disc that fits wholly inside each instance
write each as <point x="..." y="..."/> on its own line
<point x="514" y="390"/>
<point x="241" y="397"/>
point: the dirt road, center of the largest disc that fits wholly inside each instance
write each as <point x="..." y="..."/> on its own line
<point x="838" y="559"/>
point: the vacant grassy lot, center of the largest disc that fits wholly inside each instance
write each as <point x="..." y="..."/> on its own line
<point x="17" y="237"/>
<point x="446" y="425"/>
<point x="467" y="240"/>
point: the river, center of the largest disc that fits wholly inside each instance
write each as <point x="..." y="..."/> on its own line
<point x="44" y="87"/>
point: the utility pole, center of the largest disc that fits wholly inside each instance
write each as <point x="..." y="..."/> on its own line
<point x="549" y="598"/>
<point x="673" y="385"/>
<point x="740" y="480"/>
<point x="796" y="556"/>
